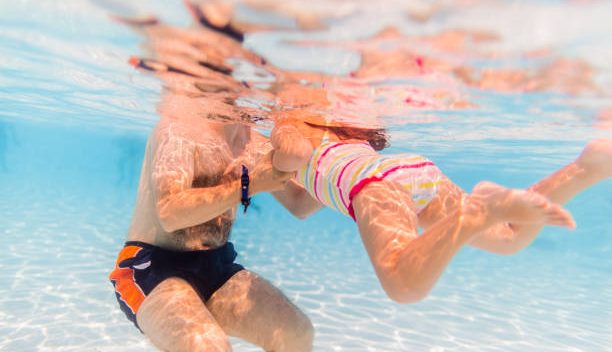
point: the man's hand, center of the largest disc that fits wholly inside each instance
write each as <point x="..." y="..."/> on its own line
<point x="265" y="178"/>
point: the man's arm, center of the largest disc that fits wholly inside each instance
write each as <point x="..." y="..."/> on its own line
<point x="179" y="205"/>
<point x="297" y="200"/>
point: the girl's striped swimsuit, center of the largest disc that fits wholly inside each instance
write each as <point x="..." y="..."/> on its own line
<point x="337" y="171"/>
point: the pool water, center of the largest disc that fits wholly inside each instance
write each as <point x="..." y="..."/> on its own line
<point x="74" y="120"/>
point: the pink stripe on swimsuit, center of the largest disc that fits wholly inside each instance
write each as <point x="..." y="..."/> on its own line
<point x="337" y="171"/>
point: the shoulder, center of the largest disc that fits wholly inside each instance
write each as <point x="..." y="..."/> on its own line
<point x="183" y="131"/>
<point x="171" y="140"/>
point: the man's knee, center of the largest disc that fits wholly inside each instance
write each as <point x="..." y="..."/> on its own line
<point x="206" y="343"/>
<point x="200" y="341"/>
<point x="305" y="335"/>
<point x="299" y="337"/>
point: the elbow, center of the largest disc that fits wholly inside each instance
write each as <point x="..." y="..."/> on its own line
<point x="169" y="228"/>
<point x="167" y="220"/>
<point x="301" y="215"/>
<point x="167" y="224"/>
<point x="507" y="250"/>
<point x="406" y="294"/>
<point x="305" y="211"/>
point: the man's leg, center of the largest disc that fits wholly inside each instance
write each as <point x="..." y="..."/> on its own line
<point x="174" y="318"/>
<point x="249" y="307"/>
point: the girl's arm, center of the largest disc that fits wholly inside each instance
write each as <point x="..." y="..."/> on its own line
<point x="297" y="200"/>
<point x="291" y="148"/>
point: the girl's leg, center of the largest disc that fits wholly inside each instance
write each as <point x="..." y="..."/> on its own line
<point x="408" y="265"/>
<point x="592" y="166"/>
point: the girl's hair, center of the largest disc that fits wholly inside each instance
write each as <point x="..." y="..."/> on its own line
<point x="377" y="137"/>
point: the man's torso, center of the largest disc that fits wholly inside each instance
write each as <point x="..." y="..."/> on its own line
<point x="215" y="162"/>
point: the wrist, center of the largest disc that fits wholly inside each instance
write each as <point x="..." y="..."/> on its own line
<point x="253" y="187"/>
<point x="245" y="196"/>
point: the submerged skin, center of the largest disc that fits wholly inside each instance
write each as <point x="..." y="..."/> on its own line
<point x="187" y="198"/>
<point x="189" y="189"/>
<point x="492" y="217"/>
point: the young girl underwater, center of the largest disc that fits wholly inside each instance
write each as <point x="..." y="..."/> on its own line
<point x="391" y="196"/>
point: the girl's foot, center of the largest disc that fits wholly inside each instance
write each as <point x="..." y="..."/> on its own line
<point x="500" y="204"/>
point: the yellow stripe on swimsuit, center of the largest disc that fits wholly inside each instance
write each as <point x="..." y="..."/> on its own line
<point x="337" y="171"/>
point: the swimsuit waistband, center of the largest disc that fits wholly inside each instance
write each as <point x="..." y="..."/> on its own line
<point x="227" y="247"/>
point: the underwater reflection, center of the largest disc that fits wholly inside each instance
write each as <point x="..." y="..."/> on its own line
<point x="604" y="119"/>
<point x="399" y="74"/>
<point x="458" y="55"/>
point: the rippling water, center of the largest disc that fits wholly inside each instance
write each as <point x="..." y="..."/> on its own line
<point x="74" y="118"/>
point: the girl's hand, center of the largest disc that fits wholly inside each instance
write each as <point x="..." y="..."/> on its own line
<point x="291" y="149"/>
<point x="266" y="178"/>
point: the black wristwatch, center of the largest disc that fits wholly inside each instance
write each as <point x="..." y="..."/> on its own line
<point x="244" y="187"/>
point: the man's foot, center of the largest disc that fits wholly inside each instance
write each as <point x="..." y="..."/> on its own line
<point x="596" y="158"/>
<point x="500" y="204"/>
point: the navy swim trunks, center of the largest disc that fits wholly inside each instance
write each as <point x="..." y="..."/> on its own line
<point x="141" y="266"/>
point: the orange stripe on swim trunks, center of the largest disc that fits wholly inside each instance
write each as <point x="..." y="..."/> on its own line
<point x="128" y="290"/>
<point x="128" y="252"/>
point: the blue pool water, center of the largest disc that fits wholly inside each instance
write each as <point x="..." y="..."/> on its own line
<point x="74" y="119"/>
